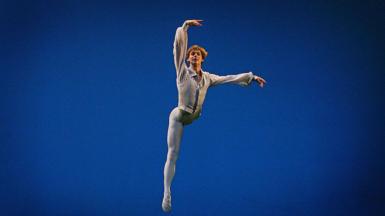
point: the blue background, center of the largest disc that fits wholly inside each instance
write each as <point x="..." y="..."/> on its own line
<point x="87" y="88"/>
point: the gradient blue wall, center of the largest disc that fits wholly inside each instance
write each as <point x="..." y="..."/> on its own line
<point x="87" y="87"/>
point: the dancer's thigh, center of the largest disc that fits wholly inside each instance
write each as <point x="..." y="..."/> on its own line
<point x="175" y="130"/>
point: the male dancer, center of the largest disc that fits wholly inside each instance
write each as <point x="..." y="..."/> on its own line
<point x="192" y="83"/>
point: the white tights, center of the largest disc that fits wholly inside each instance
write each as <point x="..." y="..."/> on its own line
<point x="177" y="120"/>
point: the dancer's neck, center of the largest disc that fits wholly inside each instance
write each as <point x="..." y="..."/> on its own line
<point x="197" y="68"/>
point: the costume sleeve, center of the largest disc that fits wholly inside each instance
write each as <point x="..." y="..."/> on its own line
<point x="180" y="48"/>
<point x="242" y="79"/>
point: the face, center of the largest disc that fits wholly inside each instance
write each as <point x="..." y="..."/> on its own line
<point x="195" y="57"/>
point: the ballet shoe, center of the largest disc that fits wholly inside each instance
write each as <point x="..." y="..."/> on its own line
<point x="166" y="203"/>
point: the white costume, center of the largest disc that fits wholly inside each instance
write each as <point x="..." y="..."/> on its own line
<point x="191" y="94"/>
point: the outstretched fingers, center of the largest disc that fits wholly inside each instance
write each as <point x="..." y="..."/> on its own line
<point x="260" y="81"/>
<point x="194" y="22"/>
<point x="199" y="21"/>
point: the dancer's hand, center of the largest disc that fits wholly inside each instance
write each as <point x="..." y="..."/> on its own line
<point x="260" y="81"/>
<point x="194" y="22"/>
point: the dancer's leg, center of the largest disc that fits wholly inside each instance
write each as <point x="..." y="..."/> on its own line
<point x="174" y="136"/>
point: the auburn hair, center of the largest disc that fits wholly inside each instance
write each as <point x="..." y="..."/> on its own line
<point x="204" y="53"/>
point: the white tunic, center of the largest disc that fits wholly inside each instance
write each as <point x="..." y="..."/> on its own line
<point x="191" y="91"/>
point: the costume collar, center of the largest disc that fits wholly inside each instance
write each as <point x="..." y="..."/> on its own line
<point x="193" y="73"/>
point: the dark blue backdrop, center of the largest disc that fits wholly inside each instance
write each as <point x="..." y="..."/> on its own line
<point x="87" y="87"/>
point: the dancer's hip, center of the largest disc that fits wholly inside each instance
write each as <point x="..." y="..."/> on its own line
<point x="182" y="116"/>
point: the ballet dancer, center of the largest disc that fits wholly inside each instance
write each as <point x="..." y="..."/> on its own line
<point x="192" y="83"/>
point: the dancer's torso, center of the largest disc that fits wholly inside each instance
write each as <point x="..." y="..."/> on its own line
<point x="192" y="90"/>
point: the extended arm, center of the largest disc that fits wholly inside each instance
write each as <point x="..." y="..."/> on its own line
<point x="242" y="79"/>
<point x="180" y="43"/>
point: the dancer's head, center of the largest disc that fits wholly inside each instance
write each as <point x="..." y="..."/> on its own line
<point x="196" y="54"/>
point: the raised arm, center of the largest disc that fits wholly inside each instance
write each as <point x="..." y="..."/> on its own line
<point x="242" y="79"/>
<point x="180" y="43"/>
